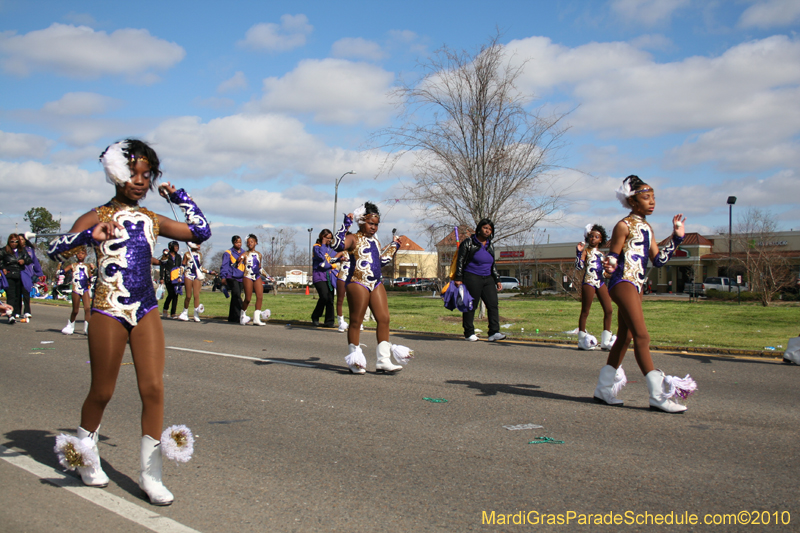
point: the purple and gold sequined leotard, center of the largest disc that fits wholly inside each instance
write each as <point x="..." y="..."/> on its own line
<point x="252" y="264"/>
<point x="593" y="268"/>
<point x="632" y="262"/>
<point x="124" y="289"/>
<point x="191" y="271"/>
<point x="366" y="261"/>
<point x="80" y="278"/>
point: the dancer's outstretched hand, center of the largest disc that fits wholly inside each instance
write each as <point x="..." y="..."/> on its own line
<point x="609" y="265"/>
<point x="677" y="224"/>
<point x="105" y="231"/>
<point x="581" y="246"/>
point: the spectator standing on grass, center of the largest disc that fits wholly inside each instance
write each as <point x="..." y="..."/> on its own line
<point x="29" y="273"/>
<point x="13" y="259"/>
<point x="232" y="275"/>
<point x="323" y="278"/>
<point x="475" y="268"/>
<point x="170" y="277"/>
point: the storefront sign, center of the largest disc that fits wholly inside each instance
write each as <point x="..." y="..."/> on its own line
<point x="513" y="253"/>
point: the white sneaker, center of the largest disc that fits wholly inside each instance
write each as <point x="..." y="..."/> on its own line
<point x="28" y="316"/>
<point x="342" y="325"/>
<point x="69" y="329"/>
<point x="497" y="337"/>
<point x="471" y="338"/>
<point x="184" y="316"/>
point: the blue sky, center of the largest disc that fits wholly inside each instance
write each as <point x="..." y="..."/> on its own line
<point x="257" y="107"/>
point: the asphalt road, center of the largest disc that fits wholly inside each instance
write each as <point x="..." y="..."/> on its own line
<point x="309" y="447"/>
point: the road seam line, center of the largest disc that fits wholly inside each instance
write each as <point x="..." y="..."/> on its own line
<point x="261" y="359"/>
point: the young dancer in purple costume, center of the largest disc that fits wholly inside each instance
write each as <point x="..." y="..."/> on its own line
<point x="193" y="275"/>
<point x="251" y="259"/>
<point x="364" y="288"/>
<point x="589" y="258"/>
<point x="125" y="309"/>
<point x="81" y="274"/>
<point x="632" y="245"/>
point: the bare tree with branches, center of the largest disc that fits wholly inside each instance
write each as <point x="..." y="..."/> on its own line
<point x="479" y="152"/>
<point x="768" y="270"/>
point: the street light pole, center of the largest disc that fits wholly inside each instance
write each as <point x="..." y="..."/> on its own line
<point x="731" y="201"/>
<point x="336" y="197"/>
<point x="310" y="258"/>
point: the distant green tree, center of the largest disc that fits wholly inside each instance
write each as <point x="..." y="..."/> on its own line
<point x="41" y="221"/>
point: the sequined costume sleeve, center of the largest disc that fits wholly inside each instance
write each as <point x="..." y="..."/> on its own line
<point x="59" y="247"/>
<point x="579" y="262"/>
<point x="388" y="253"/>
<point x="194" y="217"/>
<point x="341" y="233"/>
<point x="665" y="253"/>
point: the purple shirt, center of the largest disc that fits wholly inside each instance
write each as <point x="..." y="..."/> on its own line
<point x="322" y="263"/>
<point x="482" y="261"/>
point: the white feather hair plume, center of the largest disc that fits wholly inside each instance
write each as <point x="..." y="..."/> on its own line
<point x="115" y="163"/>
<point x="588" y="230"/>
<point x="624" y="192"/>
<point x="359" y="213"/>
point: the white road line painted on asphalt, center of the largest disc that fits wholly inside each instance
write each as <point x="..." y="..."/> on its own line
<point x="276" y="361"/>
<point x="115" y="504"/>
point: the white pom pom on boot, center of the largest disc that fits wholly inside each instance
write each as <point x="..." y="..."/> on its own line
<point x="609" y="384"/>
<point x="661" y="393"/>
<point x="586" y="341"/>
<point x="355" y="360"/>
<point x="384" y="364"/>
<point x="607" y="340"/>
<point x="92" y="476"/>
<point x="342" y="325"/>
<point x="150" y="476"/>
<point x="197" y="310"/>
<point x="243" y="318"/>
<point x="184" y="316"/>
<point x="69" y="329"/>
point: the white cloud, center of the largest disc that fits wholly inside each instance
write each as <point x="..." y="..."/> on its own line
<point x="81" y="52"/>
<point x="771" y="14"/>
<point x="59" y="188"/>
<point x="290" y="34"/>
<point x="81" y="104"/>
<point x="235" y="83"/>
<point x="357" y="48"/>
<point x="333" y="90"/>
<point x="647" y="12"/>
<point x="253" y="148"/>
<point x="23" y="145"/>
<point x="653" y="41"/>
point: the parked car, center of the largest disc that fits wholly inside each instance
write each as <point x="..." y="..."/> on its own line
<point x="509" y="282"/>
<point x="425" y="284"/>
<point x="714" y="283"/>
<point x="410" y="281"/>
<point x="397" y="281"/>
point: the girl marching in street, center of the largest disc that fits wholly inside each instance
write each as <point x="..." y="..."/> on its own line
<point x="365" y="290"/>
<point x="632" y="244"/>
<point x="193" y="275"/>
<point x="589" y="258"/>
<point x="81" y="275"/>
<point x="125" y="310"/>
<point x="251" y="259"/>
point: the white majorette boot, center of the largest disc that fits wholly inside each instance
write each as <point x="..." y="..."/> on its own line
<point x="609" y="384"/>
<point x="85" y="327"/>
<point x="665" y="390"/>
<point x="384" y="352"/>
<point x="342" y="325"/>
<point x="197" y="310"/>
<point x="355" y="360"/>
<point x="69" y="329"/>
<point x="257" y="318"/>
<point x="92" y="476"/>
<point x="150" y="476"/>
<point x="243" y="318"/>
<point x="607" y="340"/>
<point x="184" y="316"/>
<point x="586" y="341"/>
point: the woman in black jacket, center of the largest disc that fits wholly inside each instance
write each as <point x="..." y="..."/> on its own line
<point x="13" y="259"/>
<point x="475" y="268"/>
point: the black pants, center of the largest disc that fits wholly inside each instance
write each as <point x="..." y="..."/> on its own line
<point x="481" y="288"/>
<point x="235" y="287"/>
<point x="26" y="300"/>
<point x="14" y="292"/>
<point x="172" y="297"/>
<point x="325" y="303"/>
